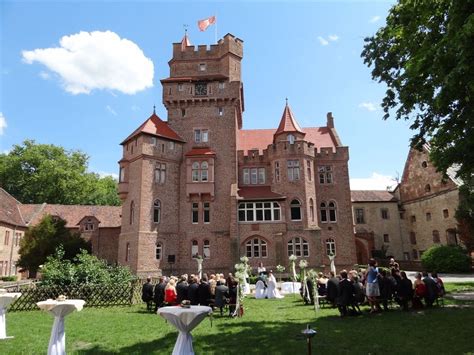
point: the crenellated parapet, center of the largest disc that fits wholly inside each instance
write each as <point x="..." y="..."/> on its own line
<point x="285" y="148"/>
<point x="340" y="153"/>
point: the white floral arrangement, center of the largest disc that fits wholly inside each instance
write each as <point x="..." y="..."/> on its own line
<point x="244" y="259"/>
<point x="292" y="258"/>
<point x="280" y="268"/>
<point x="303" y="264"/>
<point x="61" y="298"/>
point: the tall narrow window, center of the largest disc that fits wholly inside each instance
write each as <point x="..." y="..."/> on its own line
<point x="204" y="171"/>
<point x="253" y="176"/>
<point x="127" y="252"/>
<point x="332" y="211"/>
<point x="277" y="171"/>
<point x="427" y="188"/>
<point x="446" y="213"/>
<point x="311" y="209"/>
<point x="295" y="208"/>
<point x="386" y="238"/>
<point x="195" y="212"/>
<point x="384" y="213"/>
<point x="160" y="173"/>
<point x="291" y="139"/>
<point x="359" y="216"/>
<point x="436" y="238"/>
<point x="158" y="251"/>
<point x="330" y="246"/>
<point x="308" y="170"/>
<point x="195" y="171"/>
<point x="194" y="249"/>
<point x="220" y="111"/>
<point x="132" y="212"/>
<point x="206" y="249"/>
<point x="293" y="170"/>
<point x="157" y="211"/>
<point x="261" y="175"/>
<point x="183" y="112"/>
<point x="206" y="212"/>
<point x="246" y="173"/>
<point x="6" y="241"/>
<point x="323" y="211"/>
<point x="122" y="175"/>
<point x="325" y="174"/>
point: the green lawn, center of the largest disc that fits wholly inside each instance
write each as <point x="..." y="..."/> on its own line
<point x="268" y="327"/>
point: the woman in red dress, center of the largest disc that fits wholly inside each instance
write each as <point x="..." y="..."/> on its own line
<point x="170" y="293"/>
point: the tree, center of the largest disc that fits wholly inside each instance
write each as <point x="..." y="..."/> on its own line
<point x="42" y="240"/>
<point x="37" y="173"/>
<point x="425" y="55"/>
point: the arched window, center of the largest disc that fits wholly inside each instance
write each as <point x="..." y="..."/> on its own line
<point x="256" y="248"/>
<point x="158" y="251"/>
<point x="311" y="209"/>
<point x="206" y="249"/>
<point x="324" y="212"/>
<point x="194" y="249"/>
<point x="436" y="238"/>
<point x="295" y="209"/>
<point x="157" y="211"/>
<point x="204" y="171"/>
<point x="298" y="247"/>
<point x="195" y="171"/>
<point x="332" y="211"/>
<point x="132" y="212"/>
<point x="427" y="188"/>
<point x="330" y="246"/>
<point x="290" y="138"/>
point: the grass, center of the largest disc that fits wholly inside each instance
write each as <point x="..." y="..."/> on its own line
<point x="268" y="327"/>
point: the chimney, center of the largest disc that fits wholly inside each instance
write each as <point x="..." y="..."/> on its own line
<point x="330" y="120"/>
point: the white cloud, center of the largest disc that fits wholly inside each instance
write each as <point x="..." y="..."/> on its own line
<point x="104" y="174"/>
<point x="374" y="182"/>
<point x="88" y="61"/>
<point x="333" y="37"/>
<point x="3" y="123"/>
<point x="374" y="19"/>
<point x="369" y="106"/>
<point x="44" y="75"/>
<point x="323" y="41"/>
<point x="111" y="110"/>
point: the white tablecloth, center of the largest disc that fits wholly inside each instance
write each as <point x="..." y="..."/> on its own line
<point x="290" y="287"/>
<point x="59" y="309"/>
<point x="5" y="300"/>
<point x="185" y="320"/>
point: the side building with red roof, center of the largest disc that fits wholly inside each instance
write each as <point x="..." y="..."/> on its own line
<point x="198" y="184"/>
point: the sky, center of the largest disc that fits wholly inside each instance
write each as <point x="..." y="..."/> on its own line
<point x="85" y="74"/>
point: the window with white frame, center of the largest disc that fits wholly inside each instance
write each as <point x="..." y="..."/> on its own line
<point x="158" y="251"/>
<point x="330" y="246"/>
<point x="277" y="171"/>
<point x="298" y="247"/>
<point x="206" y="249"/>
<point x="196" y="171"/>
<point x="195" y="212"/>
<point x="204" y="171"/>
<point x="256" y="248"/>
<point x="194" y="249"/>
<point x="202" y="66"/>
<point x="254" y="176"/>
<point x="295" y="210"/>
<point x="122" y="175"/>
<point x="206" y="212"/>
<point x="157" y="211"/>
<point x="160" y="173"/>
<point x="290" y="138"/>
<point x="259" y="211"/>
<point x="325" y="174"/>
<point x="201" y="135"/>
<point x="332" y="211"/>
<point x="200" y="171"/>
<point x="293" y="170"/>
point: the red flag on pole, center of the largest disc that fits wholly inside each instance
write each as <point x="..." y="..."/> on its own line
<point x="204" y="24"/>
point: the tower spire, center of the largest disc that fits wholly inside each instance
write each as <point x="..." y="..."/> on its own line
<point x="288" y="122"/>
<point x="185" y="41"/>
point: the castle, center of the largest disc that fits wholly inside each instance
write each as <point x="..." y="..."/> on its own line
<point x="198" y="185"/>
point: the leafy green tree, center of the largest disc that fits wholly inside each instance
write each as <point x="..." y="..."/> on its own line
<point x="446" y="258"/>
<point x="41" y="241"/>
<point x="37" y="173"/>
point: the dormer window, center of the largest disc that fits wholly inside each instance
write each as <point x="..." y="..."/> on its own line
<point x="202" y="67"/>
<point x="291" y="139"/>
<point x="89" y="225"/>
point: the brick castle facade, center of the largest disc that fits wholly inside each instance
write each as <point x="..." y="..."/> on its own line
<point x="199" y="184"/>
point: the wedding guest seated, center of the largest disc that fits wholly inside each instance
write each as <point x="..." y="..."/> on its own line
<point x="419" y="292"/>
<point x="260" y="290"/>
<point x="159" y="293"/>
<point x="170" y="293"/>
<point x="345" y="294"/>
<point x="272" y="291"/>
<point x="193" y="291"/>
<point x="405" y="291"/>
<point x="439" y="283"/>
<point x="182" y="288"/>
<point x="386" y="289"/>
<point x="431" y="289"/>
<point x="332" y="289"/>
<point x="204" y="292"/>
<point x="233" y="284"/>
<point x="147" y="294"/>
<point x="322" y="284"/>
<point x="222" y="293"/>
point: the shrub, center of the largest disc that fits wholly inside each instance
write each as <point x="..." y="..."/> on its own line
<point x="8" y="278"/>
<point x="445" y="258"/>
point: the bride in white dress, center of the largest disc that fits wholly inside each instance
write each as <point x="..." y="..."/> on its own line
<point x="272" y="291"/>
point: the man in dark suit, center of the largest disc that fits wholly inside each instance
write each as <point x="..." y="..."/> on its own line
<point x="193" y="291"/>
<point x="159" y="294"/>
<point x="182" y="289"/>
<point x="431" y="289"/>
<point x="204" y="292"/>
<point x="221" y="295"/>
<point x="332" y="289"/>
<point x="147" y="294"/>
<point x="346" y="294"/>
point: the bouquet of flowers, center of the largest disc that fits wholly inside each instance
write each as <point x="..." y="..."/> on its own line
<point x="292" y="259"/>
<point x="280" y="268"/>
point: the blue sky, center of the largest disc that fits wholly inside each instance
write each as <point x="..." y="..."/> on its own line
<point x="91" y="100"/>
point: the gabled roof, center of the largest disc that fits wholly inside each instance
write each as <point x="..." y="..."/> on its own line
<point x="9" y="209"/>
<point x="200" y="152"/>
<point x="260" y="138"/>
<point x="258" y="193"/>
<point x="372" y="196"/>
<point x="288" y="122"/>
<point x="156" y="127"/>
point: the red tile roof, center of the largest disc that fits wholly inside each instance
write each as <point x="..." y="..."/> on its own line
<point x="258" y="193"/>
<point x="185" y="42"/>
<point x="372" y="196"/>
<point x="288" y="122"/>
<point x="261" y="138"/>
<point x="200" y="151"/>
<point x="9" y="209"/>
<point x="155" y="126"/>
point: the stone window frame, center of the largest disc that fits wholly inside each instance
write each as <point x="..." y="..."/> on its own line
<point x="428" y="216"/>
<point x="293" y="169"/>
<point x="296" y="208"/>
<point x="122" y="174"/>
<point x="200" y="171"/>
<point x="201" y="135"/>
<point x="6" y="239"/>
<point x="309" y="170"/>
<point x="359" y="215"/>
<point x="412" y="238"/>
<point x="180" y="87"/>
<point x="158" y="251"/>
<point x="328" y="211"/>
<point x="195" y="212"/>
<point x="194" y="249"/>
<point x="127" y="251"/>
<point x="259" y="208"/>
<point x="330" y="246"/>
<point x="291" y="138"/>
<point x="325" y="174"/>
<point x="206" y="249"/>
<point x="254" y="176"/>
<point x="159" y="176"/>
<point x="277" y="171"/>
<point x="256" y="247"/>
<point x="206" y="212"/>
<point x="157" y="211"/>
<point x="298" y="246"/>
<point x="445" y="213"/>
